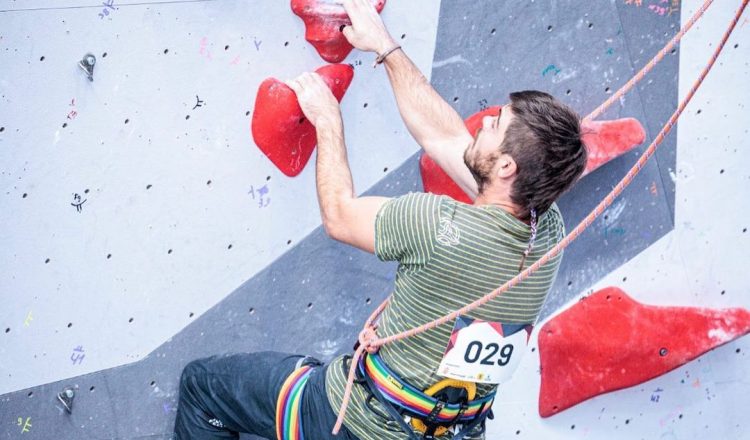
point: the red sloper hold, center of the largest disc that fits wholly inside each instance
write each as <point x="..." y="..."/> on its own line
<point x="279" y="127"/>
<point x="323" y="21"/>
<point x="608" y="341"/>
<point x="604" y="140"/>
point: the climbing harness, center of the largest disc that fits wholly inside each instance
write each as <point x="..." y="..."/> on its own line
<point x="368" y="338"/>
<point x="288" y="416"/>
<point x="431" y="412"/>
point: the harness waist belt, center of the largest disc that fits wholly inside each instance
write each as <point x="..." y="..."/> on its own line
<point x="414" y="401"/>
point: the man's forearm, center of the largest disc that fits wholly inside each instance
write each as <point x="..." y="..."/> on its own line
<point x="333" y="176"/>
<point x="428" y="117"/>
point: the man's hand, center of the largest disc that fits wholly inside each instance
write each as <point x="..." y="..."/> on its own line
<point x="316" y="99"/>
<point x="367" y="32"/>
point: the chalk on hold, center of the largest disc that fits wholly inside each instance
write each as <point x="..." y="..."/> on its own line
<point x="324" y="20"/>
<point x="279" y="126"/>
<point x="604" y="140"/>
<point x="600" y="345"/>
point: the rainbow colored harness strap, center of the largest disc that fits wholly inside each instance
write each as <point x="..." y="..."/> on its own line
<point x="406" y="397"/>
<point x="288" y="419"/>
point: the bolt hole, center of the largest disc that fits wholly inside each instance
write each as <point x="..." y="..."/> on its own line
<point x="31" y="393"/>
<point x="149" y="186"/>
<point x="24" y="195"/>
<point x="226" y="47"/>
<point x="92" y="388"/>
<point x="65" y="125"/>
<point x="191" y="315"/>
<point x="289" y="242"/>
<point x="493" y="31"/>
<point x="187" y="117"/>
<point x="130" y="320"/>
<point x="549" y="28"/>
<point x="7" y="330"/>
<point x="609" y="297"/>
<point x="591" y="25"/>
<point x="169" y="251"/>
<point x="42" y="58"/>
<point x="301" y="120"/>
<point x="385" y="170"/>
<point x="268" y="178"/>
<point x="47" y="261"/>
<point x="737" y="351"/>
<point x="368" y="301"/>
<point x="403" y="36"/>
<point x="365" y="105"/>
<point x="309" y="306"/>
<point x="208" y="183"/>
<point x="606" y="90"/>
<point x="699" y="111"/>
<point x="127" y="120"/>
<point x="109" y="256"/>
<point x="70" y="324"/>
<point x="286" y="43"/>
<point x="166" y="50"/>
<point x="104" y="55"/>
<point x="567" y="92"/>
<point x="663" y="352"/>
<point x="627" y="421"/>
<point x="2" y="129"/>
<point x="723" y="292"/>
<point x="572" y="426"/>
<point x="251" y="310"/>
<point x="153" y="383"/>
<point x="229" y="247"/>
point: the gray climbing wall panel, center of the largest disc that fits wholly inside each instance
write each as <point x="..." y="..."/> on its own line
<point x="650" y="242"/>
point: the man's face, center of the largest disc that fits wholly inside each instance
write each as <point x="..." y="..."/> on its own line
<point x="481" y="156"/>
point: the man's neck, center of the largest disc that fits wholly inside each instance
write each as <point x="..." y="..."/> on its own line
<point x="499" y="200"/>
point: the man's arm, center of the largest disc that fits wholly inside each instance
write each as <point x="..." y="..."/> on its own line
<point x="433" y="123"/>
<point x="346" y="218"/>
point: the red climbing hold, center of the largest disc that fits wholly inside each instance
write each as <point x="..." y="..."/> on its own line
<point x="604" y="140"/>
<point x="323" y="21"/>
<point x="608" y="341"/>
<point x="279" y="127"/>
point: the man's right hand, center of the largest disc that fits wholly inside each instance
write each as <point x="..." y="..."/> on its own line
<point x="367" y="32"/>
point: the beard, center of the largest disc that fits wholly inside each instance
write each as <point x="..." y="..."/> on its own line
<point x="480" y="167"/>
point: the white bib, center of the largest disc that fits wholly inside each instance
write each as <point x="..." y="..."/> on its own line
<point x="484" y="352"/>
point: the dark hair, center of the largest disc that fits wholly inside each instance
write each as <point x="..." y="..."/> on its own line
<point x="544" y="139"/>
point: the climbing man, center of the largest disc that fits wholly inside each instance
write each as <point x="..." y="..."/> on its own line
<point x="440" y="383"/>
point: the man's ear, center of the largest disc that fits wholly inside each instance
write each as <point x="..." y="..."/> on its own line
<point x="506" y="167"/>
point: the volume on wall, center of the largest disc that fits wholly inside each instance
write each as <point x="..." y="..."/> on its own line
<point x="141" y="227"/>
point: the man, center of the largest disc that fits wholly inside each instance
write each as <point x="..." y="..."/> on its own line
<point x="449" y="254"/>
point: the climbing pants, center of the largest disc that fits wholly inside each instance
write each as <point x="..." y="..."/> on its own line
<point x="224" y="395"/>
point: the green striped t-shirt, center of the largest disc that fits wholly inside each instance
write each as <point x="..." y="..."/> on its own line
<point x="449" y="255"/>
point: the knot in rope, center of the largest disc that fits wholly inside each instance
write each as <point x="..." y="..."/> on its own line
<point x="367" y="339"/>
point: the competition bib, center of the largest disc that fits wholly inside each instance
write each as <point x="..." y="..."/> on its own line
<point x="485" y="352"/>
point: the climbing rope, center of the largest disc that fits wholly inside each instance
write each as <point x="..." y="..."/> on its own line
<point x="650" y="65"/>
<point x="368" y="338"/>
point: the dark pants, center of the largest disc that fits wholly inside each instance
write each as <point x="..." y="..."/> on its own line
<point x="221" y="396"/>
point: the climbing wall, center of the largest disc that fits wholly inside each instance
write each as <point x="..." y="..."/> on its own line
<point x="142" y="227"/>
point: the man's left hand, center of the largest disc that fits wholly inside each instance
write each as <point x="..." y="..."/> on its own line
<point x="316" y="99"/>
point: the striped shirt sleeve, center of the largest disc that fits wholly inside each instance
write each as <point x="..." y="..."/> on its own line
<point x="405" y="228"/>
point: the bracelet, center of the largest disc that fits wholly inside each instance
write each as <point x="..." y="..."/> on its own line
<point x="381" y="58"/>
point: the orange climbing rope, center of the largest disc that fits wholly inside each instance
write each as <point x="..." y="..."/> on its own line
<point x="368" y="338"/>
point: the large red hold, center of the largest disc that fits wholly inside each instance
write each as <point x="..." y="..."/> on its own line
<point x="279" y="127"/>
<point x="608" y="341"/>
<point x="323" y="22"/>
<point x="604" y="140"/>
